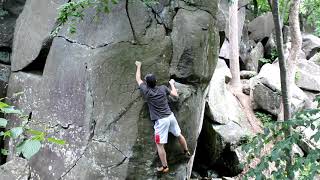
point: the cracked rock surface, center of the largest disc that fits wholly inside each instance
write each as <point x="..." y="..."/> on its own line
<point x="88" y="95"/>
<point x="17" y="168"/>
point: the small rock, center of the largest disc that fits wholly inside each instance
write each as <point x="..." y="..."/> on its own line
<point x="247" y="74"/>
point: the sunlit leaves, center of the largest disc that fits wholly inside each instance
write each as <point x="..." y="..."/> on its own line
<point x="3" y="123"/>
<point x="304" y="167"/>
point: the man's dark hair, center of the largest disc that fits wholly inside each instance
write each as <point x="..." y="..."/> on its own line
<point x="151" y="80"/>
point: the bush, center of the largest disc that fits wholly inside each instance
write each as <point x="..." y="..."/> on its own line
<point x="305" y="167"/>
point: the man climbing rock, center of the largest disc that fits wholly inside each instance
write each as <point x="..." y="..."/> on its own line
<point x="161" y="114"/>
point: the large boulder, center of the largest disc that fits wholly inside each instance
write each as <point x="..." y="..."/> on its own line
<point x="94" y="104"/>
<point x="222" y="106"/>
<point x="316" y="59"/>
<point x="217" y="148"/>
<point x="308" y="75"/>
<point x="4" y="79"/>
<point x="9" y="12"/>
<point x="190" y="30"/>
<point x="17" y="168"/>
<point x="266" y="91"/>
<point x="252" y="63"/>
<point x="225" y="124"/>
<point x="32" y="32"/>
<point x="310" y="45"/>
<point x="223" y="16"/>
<point x="261" y="27"/>
<point x="225" y="50"/>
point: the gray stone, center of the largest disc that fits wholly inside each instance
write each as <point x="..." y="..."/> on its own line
<point x="225" y="50"/>
<point x="5" y="57"/>
<point x="270" y="48"/>
<point x="194" y="45"/>
<point x="287" y="48"/>
<point x="247" y="74"/>
<point x="246" y="45"/>
<point x="223" y="17"/>
<point x="266" y="91"/>
<point x="245" y="86"/>
<point x="4" y="79"/>
<point x="307" y="144"/>
<point x="33" y="28"/>
<point x="310" y="45"/>
<point x="222" y="106"/>
<point x="17" y="168"/>
<point x="261" y="27"/>
<point x="15" y="7"/>
<point x="297" y="150"/>
<point x="308" y="75"/>
<point x="311" y="103"/>
<point x="94" y="104"/>
<point x="217" y="144"/>
<point x="255" y="55"/>
<point x="205" y="5"/>
<point x="7" y="23"/>
<point x="316" y="59"/>
<point x="9" y="11"/>
<point x="111" y="28"/>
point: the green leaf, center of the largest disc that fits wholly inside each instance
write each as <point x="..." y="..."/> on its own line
<point x="35" y="132"/>
<point x="30" y="147"/>
<point x="3" y="122"/>
<point x="56" y="141"/>
<point x="11" y="110"/>
<point x="4" y="152"/>
<point x="16" y="132"/>
<point x="3" y="105"/>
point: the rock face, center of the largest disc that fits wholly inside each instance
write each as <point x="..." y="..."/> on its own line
<point x="36" y="17"/>
<point x="17" y="168"/>
<point x="88" y="94"/>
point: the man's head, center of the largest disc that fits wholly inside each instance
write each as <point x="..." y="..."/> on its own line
<point x="151" y="80"/>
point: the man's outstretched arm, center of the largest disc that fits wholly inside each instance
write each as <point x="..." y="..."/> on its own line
<point x="173" y="91"/>
<point x="138" y="73"/>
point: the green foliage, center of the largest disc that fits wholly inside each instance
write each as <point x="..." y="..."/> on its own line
<point x="29" y="139"/>
<point x="306" y="166"/>
<point x="265" y="60"/>
<point x="3" y="12"/>
<point x="3" y="122"/>
<point x="264" y="117"/>
<point x="263" y="7"/>
<point x="29" y="148"/>
<point x="72" y="12"/>
<point x="311" y="11"/>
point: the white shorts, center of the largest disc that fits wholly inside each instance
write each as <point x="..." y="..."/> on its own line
<point x="163" y="126"/>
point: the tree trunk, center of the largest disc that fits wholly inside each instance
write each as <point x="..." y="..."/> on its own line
<point x="296" y="41"/>
<point x="255" y="8"/>
<point x="287" y="81"/>
<point x="234" y="45"/>
<point x="282" y="62"/>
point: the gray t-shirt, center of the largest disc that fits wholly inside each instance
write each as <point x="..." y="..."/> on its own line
<point x="157" y="101"/>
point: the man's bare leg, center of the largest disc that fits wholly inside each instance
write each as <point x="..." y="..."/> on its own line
<point x="163" y="156"/>
<point x="183" y="144"/>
